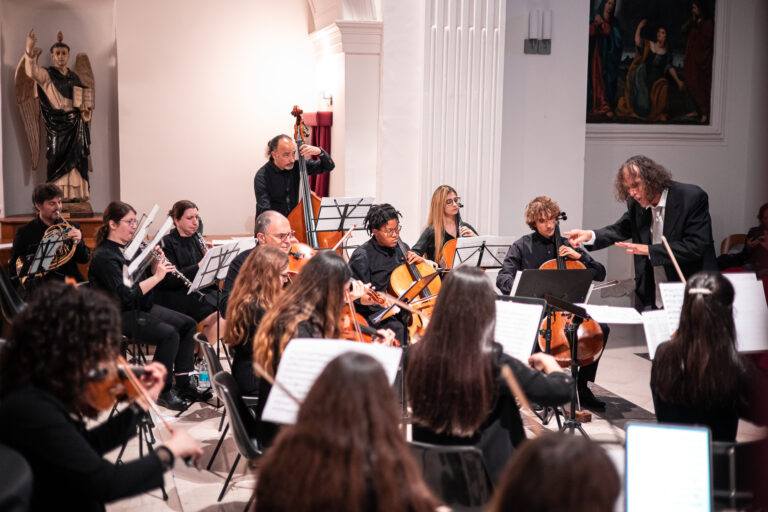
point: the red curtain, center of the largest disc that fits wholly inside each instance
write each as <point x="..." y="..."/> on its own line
<point x="320" y="122"/>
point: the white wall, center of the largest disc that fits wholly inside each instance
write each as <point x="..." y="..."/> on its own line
<point x="732" y="170"/>
<point x="88" y="26"/>
<point x="203" y="86"/>
<point x="543" y="124"/>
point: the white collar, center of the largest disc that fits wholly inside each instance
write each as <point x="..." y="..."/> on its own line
<point x="662" y="200"/>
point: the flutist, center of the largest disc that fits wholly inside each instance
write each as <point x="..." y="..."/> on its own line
<point x="169" y="331"/>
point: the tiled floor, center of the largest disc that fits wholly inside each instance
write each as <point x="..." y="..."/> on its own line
<point x="622" y="380"/>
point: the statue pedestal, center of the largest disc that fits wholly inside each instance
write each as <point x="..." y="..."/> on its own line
<point x="77" y="210"/>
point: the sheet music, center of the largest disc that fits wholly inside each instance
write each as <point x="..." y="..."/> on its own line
<point x="750" y="313"/>
<point x="216" y="262"/>
<point x="513" y="291"/>
<point x="302" y="362"/>
<point x="138" y="237"/>
<point x="656" y="327"/>
<point x="164" y="229"/>
<point x="672" y="297"/>
<point x="468" y="250"/>
<point x="612" y="314"/>
<point x="517" y="326"/>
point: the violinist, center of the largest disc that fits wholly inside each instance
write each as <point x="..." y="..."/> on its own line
<point x="276" y="184"/>
<point x="531" y="251"/>
<point x="452" y="374"/>
<point x="170" y="331"/>
<point x="184" y="247"/>
<point x="61" y="346"/>
<point x="443" y="224"/>
<point x="311" y="307"/>
<point x="272" y="229"/>
<point x="258" y="285"/>
<point x="374" y="261"/>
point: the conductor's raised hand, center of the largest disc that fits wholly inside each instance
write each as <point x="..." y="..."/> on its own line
<point x="637" y="249"/>
<point x="578" y="236"/>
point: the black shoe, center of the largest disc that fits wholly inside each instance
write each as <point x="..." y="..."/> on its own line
<point x="188" y="392"/>
<point x="171" y="400"/>
<point x="587" y="399"/>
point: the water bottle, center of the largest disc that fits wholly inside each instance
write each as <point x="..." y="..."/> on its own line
<point x="204" y="380"/>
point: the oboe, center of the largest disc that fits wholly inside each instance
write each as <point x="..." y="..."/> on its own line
<point x="175" y="272"/>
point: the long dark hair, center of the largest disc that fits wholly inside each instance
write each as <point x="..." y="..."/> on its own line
<point x="317" y="295"/>
<point x="62" y="334"/>
<point x="700" y="366"/>
<point x="586" y="478"/>
<point x="345" y="452"/>
<point x="114" y="211"/>
<point x="450" y="376"/>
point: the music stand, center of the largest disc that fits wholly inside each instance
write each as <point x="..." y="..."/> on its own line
<point x="341" y="213"/>
<point x="485" y="251"/>
<point x="43" y="257"/>
<point x="412" y="291"/>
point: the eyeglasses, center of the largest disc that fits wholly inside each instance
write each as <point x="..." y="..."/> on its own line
<point x="132" y="222"/>
<point x="454" y="200"/>
<point x="392" y="231"/>
<point x="284" y="236"/>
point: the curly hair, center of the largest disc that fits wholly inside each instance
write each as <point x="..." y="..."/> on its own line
<point x="317" y="294"/>
<point x="256" y="288"/>
<point x="654" y="177"/>
<point x="369" y="467"/>
<point x="541" y="207"/>
<point x="63" y="333"/>
<point x="379" y="215"/>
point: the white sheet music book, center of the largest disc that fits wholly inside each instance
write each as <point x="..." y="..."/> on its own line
<point x="656" y="327"/>
<point x="302" y="362"/>
<point x="223" y="256"/>
<point x="612" y="314"/>
<point x="750" y="313"/>
<point x="164" y="229"/>
<point x="672" y="297"/>
<point x="517" y="325"/>
<point x="138" y="237"/>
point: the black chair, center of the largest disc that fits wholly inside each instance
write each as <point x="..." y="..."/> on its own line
<point x="733" y="472"/>
<point x="214" y="367"/>
<point x="456" y="474"/>
<point x="10" y="302"/>
<point x="241" y="418"/>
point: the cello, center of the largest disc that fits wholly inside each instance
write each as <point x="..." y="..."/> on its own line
<point x="590" y="334"/>
<point x="401" y="283"/>
<point x="302" y="217"/>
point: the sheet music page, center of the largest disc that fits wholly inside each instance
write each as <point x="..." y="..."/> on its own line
<point x="138" y="237"/>
<point x="672" y="297"/>
<point x="515" y="283"/>
<point x="517" y="326"/>
<point x="164" y="229"/>
<point x="656" y="327"/>
<point x="612" y="314"/>
<point x="303" y="361"/>
<point x="750" y="314"/>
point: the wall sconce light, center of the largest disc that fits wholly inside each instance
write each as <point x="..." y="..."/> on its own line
<point x="539" y="33"/>
<point x="328" y="97"/>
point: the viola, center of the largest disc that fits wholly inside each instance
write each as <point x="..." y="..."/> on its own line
<point x="298" y="256"/>
<point x="589" y="333"/>
<point x="302" y="217"/>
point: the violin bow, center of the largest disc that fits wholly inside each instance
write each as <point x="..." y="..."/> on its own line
<point x="345" y="237"/>
<point x="672" y="257"/>
<point x="514" y="386"/>
<point x="348" y="298"/>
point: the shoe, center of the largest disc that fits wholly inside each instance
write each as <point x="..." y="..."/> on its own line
<point x="171" y="400"/>
<point x="193" y="394"/>
<point x="589" y="400"/>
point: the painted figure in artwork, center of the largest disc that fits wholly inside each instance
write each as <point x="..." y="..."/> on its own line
<point x="65" y="100"/>
<point x="605" y="48"/>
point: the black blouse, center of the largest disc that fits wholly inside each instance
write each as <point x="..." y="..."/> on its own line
<point x="374" y="263"/>
<point x="426" y="242"/>
<point x="106" y="273"/>
<point x="184" y="252"/>
<point x="25" y="245"/>
<point x="67" y="461"/>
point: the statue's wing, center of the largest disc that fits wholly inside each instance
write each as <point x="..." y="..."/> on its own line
<point x="85" y="72"/>
<point x="30" y="109"/>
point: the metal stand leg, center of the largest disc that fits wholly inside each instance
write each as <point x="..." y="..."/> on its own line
<point x="571" y="423"/>
<point x="216" y="450"/>
<point x="229" y="477"/>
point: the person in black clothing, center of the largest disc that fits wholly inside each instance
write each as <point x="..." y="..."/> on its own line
<point x="698" y="377"/>
<point x="374" y="261"/>
<point x="258" y="286"/>
<point x="171" y="332"/>
<point x="443" y="224"/>
<point x="273" y="230"/>
<point x="530" y="251"/>
<point x="65" y="342"/>
<point x="47" y="200"/>
<point x="184" y="247"/>
<point x="452" y="374"/>
<point x="311" y="307"/>
<point x="276" y="184"/>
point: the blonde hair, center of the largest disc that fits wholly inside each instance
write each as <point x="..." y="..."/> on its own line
<point x="436" y="217"/>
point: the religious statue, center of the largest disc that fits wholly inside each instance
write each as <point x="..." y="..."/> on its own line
<point x="65" y="99"/>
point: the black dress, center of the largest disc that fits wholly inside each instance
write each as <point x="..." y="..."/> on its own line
<point x="184" y="252"/>
<point x="502" y="430"/>
<point x="242" y="357"/>
<point x="172" y="332"/>
<point x="425" y="245"/>
<point x="66" y="458"/>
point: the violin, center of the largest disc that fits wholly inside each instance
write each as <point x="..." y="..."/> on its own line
<point x="448" y="252"/>
<point x="298" y="256"/>
<point x="590" y="334"/>
<point x="302" y="217"/>
<point x="108" y="386"/>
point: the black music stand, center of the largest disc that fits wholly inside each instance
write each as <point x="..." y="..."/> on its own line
<point x="342" y="213"/>
<point x="486" y="251"/>
<point x="43" y="257"/>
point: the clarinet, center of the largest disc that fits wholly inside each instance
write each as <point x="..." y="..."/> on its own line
<point x="201" y="242"/>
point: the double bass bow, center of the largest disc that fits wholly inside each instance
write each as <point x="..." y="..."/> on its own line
<point x="302" y="217"/>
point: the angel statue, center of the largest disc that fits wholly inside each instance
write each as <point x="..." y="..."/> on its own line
<point x="65" y="100"/>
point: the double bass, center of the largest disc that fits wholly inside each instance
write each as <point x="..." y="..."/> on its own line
<point x="302" y="217"/>
<point x="590" y="334"/>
